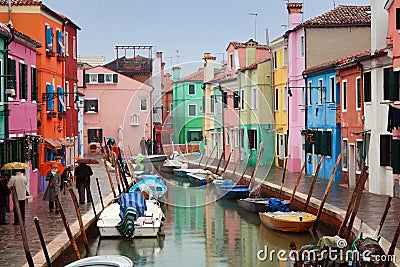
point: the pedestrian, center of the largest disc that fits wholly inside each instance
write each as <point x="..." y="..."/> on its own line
<point x="155" y="147"/>
<point x="82" y="177"/>
<point x="4" y="196"/>
<point x="149" y="144"/>
<point x="53" y="188"/>
<point x="7" y="176"/>
<point x="143" y="146"/>
<point x="20" y="182"/>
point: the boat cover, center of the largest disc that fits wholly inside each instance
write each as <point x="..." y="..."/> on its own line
<point x="275" y="204"/>
<point x="135" y="200"/>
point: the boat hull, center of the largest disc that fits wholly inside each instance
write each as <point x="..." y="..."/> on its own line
<point x="104" y="260"/>
<point x="184" y="172"/>
<point x="233" y="192"/>
<point x="252" y="204"/>
<point x="197" y="180"/>
<point x="288" y="221"/>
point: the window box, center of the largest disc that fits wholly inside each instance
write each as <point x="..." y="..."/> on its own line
<point x="60" y="57"/>
<point x="51" y="114"/>
<point x="50" y="53"/>
<point x="62" y="115"/>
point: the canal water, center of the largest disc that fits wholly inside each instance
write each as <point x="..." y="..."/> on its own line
<point x="201" y="230"/>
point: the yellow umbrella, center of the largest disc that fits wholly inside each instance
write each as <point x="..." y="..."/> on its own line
<point x="14" y="166"/>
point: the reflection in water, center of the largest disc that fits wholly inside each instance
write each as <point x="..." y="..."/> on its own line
<point x="196" y="234"/>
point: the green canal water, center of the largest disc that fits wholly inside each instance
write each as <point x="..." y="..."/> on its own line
<point x="202" y="231"/>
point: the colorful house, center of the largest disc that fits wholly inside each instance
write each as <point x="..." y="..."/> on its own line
<point x="115" y="106"/>
<point x="280" y="92"/>
<point x="308" y="43"/>
<point x="188" y="107"/>
<point x="256" y="102"/>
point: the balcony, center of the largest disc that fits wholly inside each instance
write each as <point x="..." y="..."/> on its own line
<point x="51" y="114"/>
<point x="50" y="53"/>
<point x="62" y="115"/>
<point x="60" y="57"/>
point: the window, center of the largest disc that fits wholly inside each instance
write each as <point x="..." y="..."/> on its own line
<point x="95" y="135"/>
<point x="67" y="102"/>
<point x="49" y="38"/>
<point x="60" y="103"/>
<point x="91" y="105"/>
<point x="66" y="43"/>
<point x="302" y="46"/>
<point x="277" y="137"/>
<point x="252" y="135"/>
<point x="108" y="78"/>
<point x="390" y="84"/>
<point x="254" y="98"/>
<point x="143" y="104"/>
<point x="192" y="110"/>
<point x="100" y="78"/>
<point x="359" y="155"/>
<point x="323" y="143"/>
<point x="195" y="136"/>
<point x="321" y="94"/>
<point x="60" y="46"/>
<point x="192" y="89"/>
<point x="115" y="78"/>
<point x="236" y="99"/>
<point x="276" y="106"/>
<point x="344" y="96"/>
<point x="395" y="156"/>
<point x="212" y="103"/>
<point x="34" y="84"/>
<point x="93" y="78"/>
<point x="367" y="87"/>
<point x="398" y="18"/>
<point x="23" y="81"/>
<point x="275" y="60"/>
<point x="332" y="89"/>
<point x="135" y="119"/>
<point x="285" y="56"/>
<point x="385" y="149"/>
<point x="309" y="93"/>
<point x="285" y="98"/>
<point x="358" y="93"/>
<point x="226" y="136"/>
<point x="50" y="99"/>
<point x="74" y="47"/>
<point x="242" y="100"/>
<point x="237" y="137"/>
<point x="225" y="99"/>
<point x="75" y="94"/>
<point x="231" y="61"/>
<point x="171" y="107"/>
<point x="345" y="157"/>
<point x="12" y="70"/>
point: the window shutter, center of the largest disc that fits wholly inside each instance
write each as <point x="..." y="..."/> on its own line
<point x="60" y="99"/>
<point x="25" y="72"/>
<point x="327" y="143"/>
<point x="87" y="78"/>
<point x="12" y="71"/>
<point x="115" y="78"/>
<point x="318" y="143"/>
<point x="100" y="78"/>
<point x="394" y="86"/>
<point x="395" y="157"/>
<point x="386" y="83"/>
<point x="21" y="82"/>
<point x="367" y="87"/>
<point x="49" y="38"/>
<point x="34" y="85"/>
<point x="60" y="45"/>
<point x="86" y="106"/>
<point x="385" y="150"/>
<point x="398" y="18"/>
<point x="50" y="100"/>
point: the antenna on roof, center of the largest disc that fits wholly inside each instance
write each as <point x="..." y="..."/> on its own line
<point x="334" y="4"/>
<point x="177" y="57"/>
<point x="9" y="14"/>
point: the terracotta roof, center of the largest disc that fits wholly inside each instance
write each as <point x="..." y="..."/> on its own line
<point x="243" y="45"/>
<point x="22" y="2"/>
<point x="224" y="75"/>
<point x="197" y="76"/>
<point x="343" y="15"/>
<point x="338" y="62"/>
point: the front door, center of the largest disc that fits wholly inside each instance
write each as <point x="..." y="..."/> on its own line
<point x="352" y="170"/>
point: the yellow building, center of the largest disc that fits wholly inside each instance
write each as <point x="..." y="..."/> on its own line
<point x="280" y="91"/>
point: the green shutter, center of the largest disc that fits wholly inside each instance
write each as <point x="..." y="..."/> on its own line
<point x="25" y="72"/>
<point x="12" y="72"/>
<point x="87" y="79"/>
<point x="384" y="155"/>
<point x="395" y="157"/>
<point x="115" y="78"/>
<point x="34" y="84"/>
<point x="394" y="87"/>
<point x="100" y="78"/>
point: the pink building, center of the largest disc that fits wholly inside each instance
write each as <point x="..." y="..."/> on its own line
<point x="114" y="106"/>
<point x="22" y="120"/>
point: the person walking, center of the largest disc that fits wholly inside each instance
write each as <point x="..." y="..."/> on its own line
<point x="4" y="195"/>
<point x="53" y="188"/>
<point x="82" y="177"/>
<point x="149" y="146"/>
<point x="155" y="147"/>
<point x="143" y="146"/>
<point x="20" y="182"/>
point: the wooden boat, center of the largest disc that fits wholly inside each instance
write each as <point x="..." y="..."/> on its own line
<point x="183" y="172"/>
<point x="256" y="204"/>
<point x="294" y="221"/>
<point x="197" y="179"/>
<point x="228" y="189"/>
<point x="104" y="260"/>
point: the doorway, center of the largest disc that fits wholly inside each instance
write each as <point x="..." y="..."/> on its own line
<point x="352" y="171"/>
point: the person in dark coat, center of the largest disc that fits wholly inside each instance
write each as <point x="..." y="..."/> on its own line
<point x="155" y="147"/>
<point x="149" y="146"/>
<point x="143" y="146"/>
<point x="53" y="188"/>
<point x="4" y="195"/>
<point x="82" y="176"/>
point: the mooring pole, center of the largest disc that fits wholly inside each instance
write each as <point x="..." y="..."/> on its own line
<point x="101" y="196"/>
<point x="297" y="183"/>
<point x="79" y="216"/>
<point x="313" y="183"/>
<point x="45" y="252"/>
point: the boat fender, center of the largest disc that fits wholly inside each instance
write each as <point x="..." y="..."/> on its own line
<point x="301" y="218"/>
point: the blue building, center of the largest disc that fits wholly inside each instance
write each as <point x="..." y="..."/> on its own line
<point x="322" y="133"/>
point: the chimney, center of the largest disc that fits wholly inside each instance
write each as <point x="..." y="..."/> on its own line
<point x="251" y="46"/>
<point x="295" y="11"/>
<point x="159" y="55"/>
<point x="379" y="25"/>
<point x="176" y="73"/>
<point x="209" y="62"/>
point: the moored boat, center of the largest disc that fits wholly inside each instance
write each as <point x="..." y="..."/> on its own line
<point x="170" y="165"/>
<point x="228" y="189"/>
<point x="104" y="260"/>
<point x="197" y="179"/>
<point x="263" y="204"/>
<point x="294" y="221"/>
<point x="153" y="185"/>
<point x="183" y="172"/>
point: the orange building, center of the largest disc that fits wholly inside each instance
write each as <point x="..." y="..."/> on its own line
<point x="36" y="20"/>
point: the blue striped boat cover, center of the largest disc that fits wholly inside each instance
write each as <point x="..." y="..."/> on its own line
<point x="135" y="200"/>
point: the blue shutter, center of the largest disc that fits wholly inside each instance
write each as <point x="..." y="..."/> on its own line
<point x="59" y="43"/>
<point x="60" y="105"/>
<point x="49" y="38"/>
<point x="50" y="99"/>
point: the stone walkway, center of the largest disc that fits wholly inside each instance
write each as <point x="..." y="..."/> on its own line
<point x="12" y="251"/>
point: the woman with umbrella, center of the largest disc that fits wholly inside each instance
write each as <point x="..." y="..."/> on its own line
<point x="53" y="188"/>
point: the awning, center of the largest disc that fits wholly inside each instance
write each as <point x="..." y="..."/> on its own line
<point x="65" y="142"/>
<point x="52" y="143"/>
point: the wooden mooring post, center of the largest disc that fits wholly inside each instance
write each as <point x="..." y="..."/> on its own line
<point x="385" y="212"/>
<point x="245" y="169"/>
<point x="297" y="183"/>
<point x="42" y="242"/>
<point x="109" y="176"/>
<point x="313" y="183"/>
<point x="212" y="151"/>
<point x="79" y="216"/>
<point x="219" y="162"/>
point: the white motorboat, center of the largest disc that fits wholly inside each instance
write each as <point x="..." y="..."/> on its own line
<point x="105" y="260"/>
<point x="147" y="224"/>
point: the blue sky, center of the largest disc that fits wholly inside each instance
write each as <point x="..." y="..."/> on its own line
<point x="191" y="27"/>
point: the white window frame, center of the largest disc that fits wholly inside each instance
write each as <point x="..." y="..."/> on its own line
<point x="320" y="92"/>
<point x="277" y="145"/>
<point x="254" y="98"/>
<point x="135" y="119"/>
<point x="332" y="86"/>
<point x="227" y="136"/>
<point x="108" y="75"/>
<point x="94" y="81"/>
<point x="358" y="78"/>
<point x="237" y="137"/>
<point x="275" y="62"/>
<point x="147" y="104"/>
<point x="194" y="86"/>
<point x="285" y="98"/>
<point x="347" y="155"/>
<point x="66" y="44"/>
<point x="276" y="99"/>
<point x="344" y="103"/>
<point x="195" y="110"/>
<point x="74" y="47"/>
<point x="285" y="57"/>
<point x="76" y="105"/>
<point x="358" y="141"/>
<point x="309" y="93"/>
<point x="67" y="102"/>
